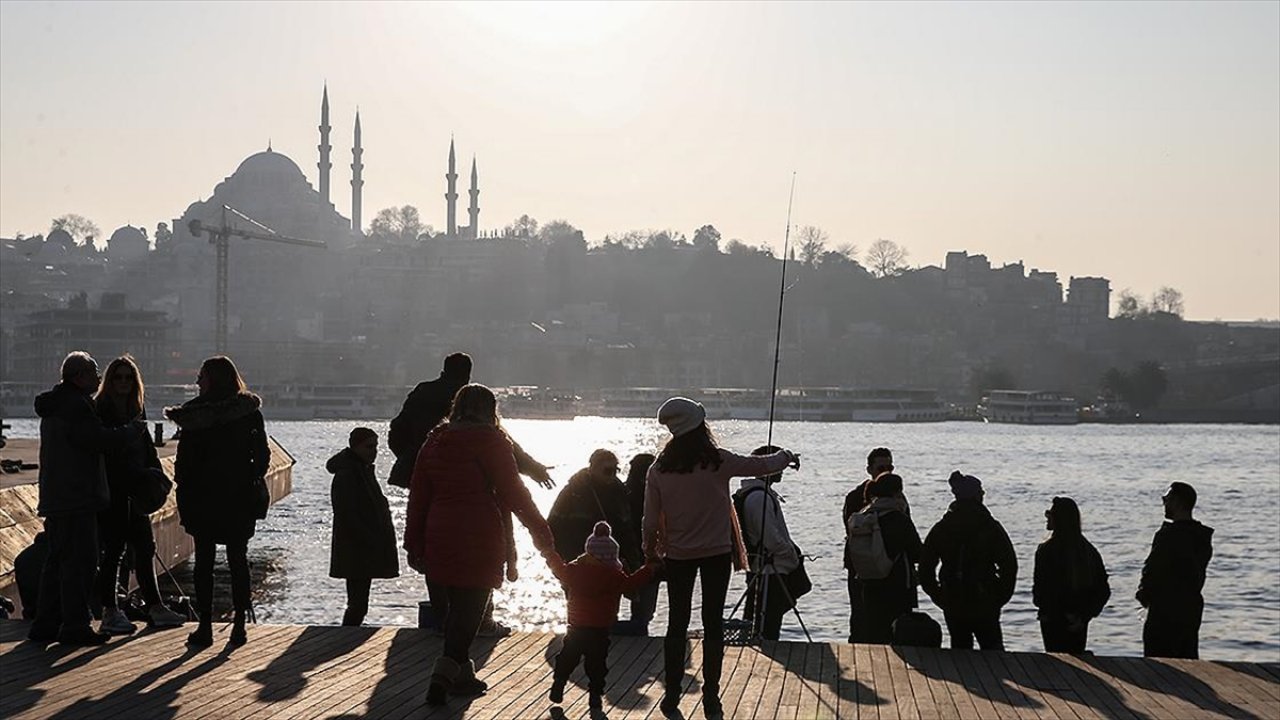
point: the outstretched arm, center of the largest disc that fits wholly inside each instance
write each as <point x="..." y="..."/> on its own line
<point x="526" y="465"/>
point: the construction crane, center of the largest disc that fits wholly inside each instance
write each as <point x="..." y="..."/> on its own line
<point x="219" y="237"/>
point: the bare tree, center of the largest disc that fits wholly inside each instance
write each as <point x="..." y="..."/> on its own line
<point x="886" y="258"/>
<point x="402" y="223"/>
<point x="523" y="226"/>
<point x="813" y="243"/>
<point x="848" y="250"/>
<point x="1167" y="300"/>
<point x="80" y="228"/>
<point x="1129" y="305"/>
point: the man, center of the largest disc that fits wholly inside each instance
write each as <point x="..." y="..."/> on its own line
<point x="426" y="406"/>
<point x="73" y="490"/>
<point x="771" y="554"/>
<point x="1173" y="577"/>
<point x="979" y="567"/>
<point x="595" y="493"/>
<point x="879" y="461"/>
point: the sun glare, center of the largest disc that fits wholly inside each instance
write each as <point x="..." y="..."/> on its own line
<point x="555" y="23"/>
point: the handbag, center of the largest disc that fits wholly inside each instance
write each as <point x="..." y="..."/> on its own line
<point x="797" y="581"/>
<point x="150" y="490"/>
<point x="259" y="498"/>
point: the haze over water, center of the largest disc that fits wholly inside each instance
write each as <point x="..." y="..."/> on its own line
<point x="1116" y="473"/>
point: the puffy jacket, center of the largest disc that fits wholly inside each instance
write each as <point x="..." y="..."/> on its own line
<point x="1069" y="578"/>
<point x="979" y="567"/>
<point x="581" y="504"/>
<point x="364" y="538"/>
<point x="464" y="480"/>
<point x="222" y="449"/>
<point x="123" y="466"/>
<point x="1173" y="575"/>
<point x="594" y="588"/>
<point x="73" y="476"/>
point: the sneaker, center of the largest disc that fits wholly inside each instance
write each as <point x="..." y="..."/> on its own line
<point x="493" y="629"/>
<point x="115" y="623"/>
<point x="162" y="617"/>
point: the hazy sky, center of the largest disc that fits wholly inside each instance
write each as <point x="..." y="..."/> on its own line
<point x="1138" y="141"/>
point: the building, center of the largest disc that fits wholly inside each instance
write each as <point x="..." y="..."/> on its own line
<point x="111" y="329"/>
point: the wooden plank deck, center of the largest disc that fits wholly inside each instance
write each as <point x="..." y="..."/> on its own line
<point x="289" y="672"/>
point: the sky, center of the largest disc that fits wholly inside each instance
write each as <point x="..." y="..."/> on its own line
<point x="1135" y="141"/>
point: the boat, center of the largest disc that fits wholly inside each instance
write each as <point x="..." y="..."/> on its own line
<point x="815" y="404"/>
<point x="536" y="403"/>
<point x="1029" y="407"/>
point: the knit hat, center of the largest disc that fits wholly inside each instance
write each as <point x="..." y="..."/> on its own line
<point x="601" y="545"/>
<point x="965" y="487"/>
<point x="681" y="415"/>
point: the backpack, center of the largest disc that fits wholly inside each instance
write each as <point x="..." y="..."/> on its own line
<point x="866" y="546"/>
<point x="740" y="509"/>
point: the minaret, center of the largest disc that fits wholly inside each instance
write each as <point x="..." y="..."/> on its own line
<point x="357" y="181"/>
<point x="451" y="197"/>
<point x="474" y="211"/>
<point x="324" y="147"/>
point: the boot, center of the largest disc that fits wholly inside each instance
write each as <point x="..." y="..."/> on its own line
<point x="203" y="635"/>
<point x="557" y="691"/>
<point x="467" y="684"/>
<point x="443" y="673"/>
<point x="670" y="700"/>
<point x="711" y="708"/>
<point x="238" y="635"/>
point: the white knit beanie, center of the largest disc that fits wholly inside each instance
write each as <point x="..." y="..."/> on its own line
<point x="681" y="415"/>
<point x="601" y="545"/>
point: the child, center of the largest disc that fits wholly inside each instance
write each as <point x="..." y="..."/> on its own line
<point x="594" y="583"/>
<point x="364" y="540"/>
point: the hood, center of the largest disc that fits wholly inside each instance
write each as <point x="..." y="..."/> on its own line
<point x="750" y="483"/>
<point x="198" y="414"/>
<point x="344" y="459"/>
<point x="967" y="513"/>
<point x="62" y="398"/>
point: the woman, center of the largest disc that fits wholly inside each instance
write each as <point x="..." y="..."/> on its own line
<point x="690" y="523"/>
<point x="1070" y="586"/>
<point x="121" y="400"/>
<point x="364" y="539"/>
<point x="222" y="451"/>
<point x="464" y="482"/>
<point x="886" y="599"/>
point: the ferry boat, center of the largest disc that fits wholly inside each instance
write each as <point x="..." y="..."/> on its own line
<point x="531" y="402"/>
<point x="1029" y="407"/>
<point x="817" y="404"/>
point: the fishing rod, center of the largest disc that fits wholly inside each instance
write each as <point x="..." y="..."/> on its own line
<point x="782" y="292"/>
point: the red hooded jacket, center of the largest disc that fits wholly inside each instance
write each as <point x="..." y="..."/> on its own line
<point x="463" y="481"/>
<point x="595" y="588"/>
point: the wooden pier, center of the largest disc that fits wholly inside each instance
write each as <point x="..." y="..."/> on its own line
<point x="288" y="671"/>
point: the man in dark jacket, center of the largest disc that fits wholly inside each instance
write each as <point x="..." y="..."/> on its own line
<point x="73" y="490"/>
<point x="1173" y="577"/>
<point x="879" y="460"/>
<point x="979" y="567"/>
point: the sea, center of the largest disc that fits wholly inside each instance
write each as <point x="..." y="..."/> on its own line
<point x="1116" y="473"/>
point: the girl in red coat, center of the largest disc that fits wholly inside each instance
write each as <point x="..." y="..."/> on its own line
<point x="594" y="583"/>
<point x="464" y="481"/>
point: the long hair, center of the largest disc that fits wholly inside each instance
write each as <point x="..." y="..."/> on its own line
<point x="694" y="449"/>
<point x="1066" y="519"/>
<point x="106" y="396"/>
<point x="224" y="378"/>
<point x="1072" y="547"/>
<point x="474" y="404"/>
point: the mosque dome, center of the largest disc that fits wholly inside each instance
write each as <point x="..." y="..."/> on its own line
<point x="126" y="235"/>
<point x="269" y="164"/>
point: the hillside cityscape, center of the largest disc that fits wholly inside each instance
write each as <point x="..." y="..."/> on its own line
<point x="540" y="304"/>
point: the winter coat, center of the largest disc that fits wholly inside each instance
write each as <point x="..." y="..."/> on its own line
<point x="73" y="476"/>
<point x="1069" y="579"/>
<point x="464" y="480"/>
<point x="777" y="538"/>
<point x="854" y="501"/>
<point x="222" y="449"/>
<point x="364" y="539"/>
<point x="581" y="504"/>
<point x="902" y="544"/>
<point x="594" y="588"/>
<point x="1173" y="575"/>
<point x="979" y="567"/>
<point x="425" y="407"/>
<point x="124" y="466"/>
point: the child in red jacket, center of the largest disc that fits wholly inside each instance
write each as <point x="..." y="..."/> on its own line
<point x="594" y="583"/>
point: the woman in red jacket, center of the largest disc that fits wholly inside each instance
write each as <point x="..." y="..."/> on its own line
<point x="464" y="481"/>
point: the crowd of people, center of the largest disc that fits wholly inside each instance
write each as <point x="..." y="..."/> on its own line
<point x="673" y="521"/>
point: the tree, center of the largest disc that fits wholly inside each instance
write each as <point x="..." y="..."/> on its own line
<point x="560" y="231"/>
<point x="886" y="258"/>
<point x="1167" y="300"/>
<point x="707" y="237"/>
<point x="1129" y="306"/>
<point x="523" y="226"/>
<point x="163" y="235"/>
<point x="80" y="228"/>
<point x="402" y="223"/>
<point x="813" y="243"/>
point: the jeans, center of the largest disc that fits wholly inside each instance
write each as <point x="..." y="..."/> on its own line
<point x="237" y="560"/>
<point x="357" y="601"/>
<point x="857" y="613"/>
<point x="776" y="605"/>
<point x="591" y="645"/>
<point x="1173" y="632"/>
<point x="67" y="580"/>
<point x="715" y="571"/>
<point x="964" y="625"/>
<point x="134" y="534"/>
<point x="1059" y="637"/>
<point x="466" y="610"/>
